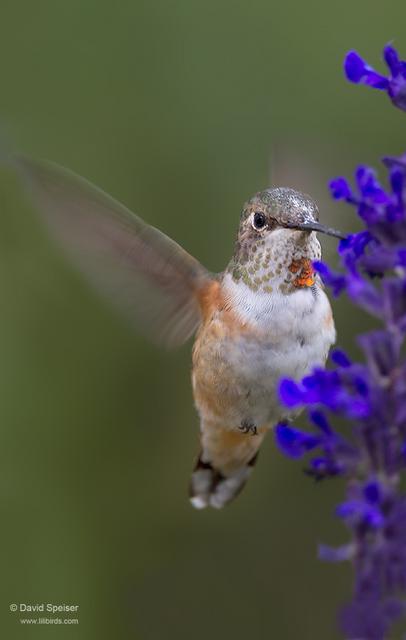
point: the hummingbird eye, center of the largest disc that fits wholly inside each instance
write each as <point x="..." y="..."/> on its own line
<point x="259" y="220"/>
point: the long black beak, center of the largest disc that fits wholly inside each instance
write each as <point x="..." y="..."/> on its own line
<point x="316" y="226"/>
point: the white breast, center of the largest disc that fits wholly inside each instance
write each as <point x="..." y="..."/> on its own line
<point x="296" y="334"/>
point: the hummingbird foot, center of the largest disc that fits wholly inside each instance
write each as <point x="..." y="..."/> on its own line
<point x="248" y="427"/>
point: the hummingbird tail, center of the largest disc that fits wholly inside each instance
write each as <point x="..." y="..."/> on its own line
<point x="211" y="487"/>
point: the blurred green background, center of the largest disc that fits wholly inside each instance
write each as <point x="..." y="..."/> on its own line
<point x="181" y="110"/>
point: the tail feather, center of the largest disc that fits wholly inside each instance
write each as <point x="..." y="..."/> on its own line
<point x="211" y="487"/>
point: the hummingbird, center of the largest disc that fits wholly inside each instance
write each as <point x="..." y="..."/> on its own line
<point x="266" y="316"/>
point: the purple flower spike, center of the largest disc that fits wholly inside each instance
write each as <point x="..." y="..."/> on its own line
<point x="358" y="71"/>
<point x="369" y="399"/>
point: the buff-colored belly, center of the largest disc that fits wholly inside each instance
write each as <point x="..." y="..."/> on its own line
<point x="236" y="372"/>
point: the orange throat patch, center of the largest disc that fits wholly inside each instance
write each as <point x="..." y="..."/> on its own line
<point x="305" y="272"/>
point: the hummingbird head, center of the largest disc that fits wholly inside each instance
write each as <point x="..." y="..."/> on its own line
<point x="282" y="208"/>
<point x="276" y="240"/>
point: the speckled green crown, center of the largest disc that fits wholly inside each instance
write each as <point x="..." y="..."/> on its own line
<point x="284" y="204"/>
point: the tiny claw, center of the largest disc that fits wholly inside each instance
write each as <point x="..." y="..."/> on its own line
<point x="248" y="427"/>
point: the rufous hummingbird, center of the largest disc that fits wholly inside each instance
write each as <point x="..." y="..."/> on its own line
<point x="266" y="316"/>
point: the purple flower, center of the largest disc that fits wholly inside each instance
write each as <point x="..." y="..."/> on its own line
<point x="341" y="190"/>
<point x="335" y="281"/>
<point x="370" y="618"/>
<point x="340" y="358"/>
<point x="358" y="71"/>
<point x="369" y="397"/>
<point x="382" y="245"/>
<point x="400" y="162"/>
<point x="295" y="443"/>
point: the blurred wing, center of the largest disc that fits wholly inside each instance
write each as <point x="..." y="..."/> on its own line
<point x="145" y="273"/>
